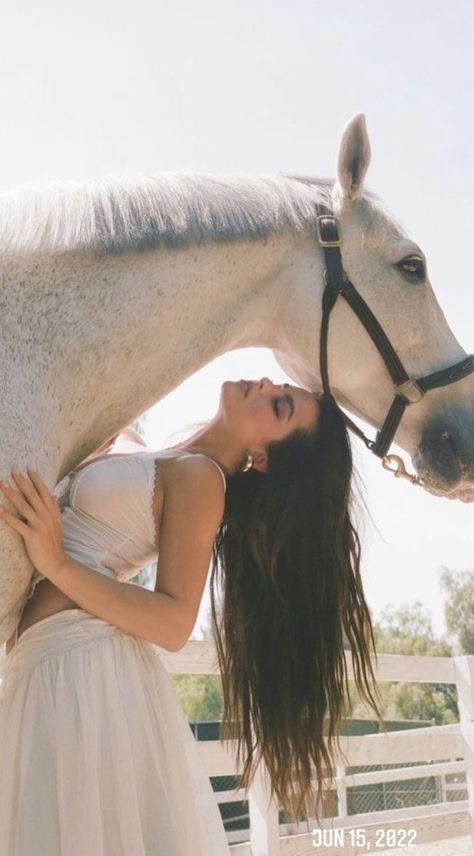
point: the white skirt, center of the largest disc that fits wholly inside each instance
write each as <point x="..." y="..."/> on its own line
<point x="96" y="755"/>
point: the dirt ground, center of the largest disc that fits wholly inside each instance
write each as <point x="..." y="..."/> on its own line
<point x="453" y="847"/>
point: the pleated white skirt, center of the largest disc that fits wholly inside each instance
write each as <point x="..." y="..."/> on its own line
<point x="96" y="755"/>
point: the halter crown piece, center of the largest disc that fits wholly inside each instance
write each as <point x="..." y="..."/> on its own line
<point x="407" y="390"/>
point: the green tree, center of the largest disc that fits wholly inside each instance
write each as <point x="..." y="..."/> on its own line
<point x="459" y="607"/>
<point x="408" y="630"/>
<point x="403" y="630"/>
<point x="200" y="696"/>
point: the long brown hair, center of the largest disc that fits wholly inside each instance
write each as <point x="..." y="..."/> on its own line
<point x="287" y="560"/>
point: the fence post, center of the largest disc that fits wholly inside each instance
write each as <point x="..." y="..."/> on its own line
<point x="341" y="791"/>
<point x="464" y="667"/>
<point x="444" y="790"/>
<point x="263" y="813"/>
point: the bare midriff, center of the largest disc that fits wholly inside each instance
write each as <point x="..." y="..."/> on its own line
<point x="47" y="599"/>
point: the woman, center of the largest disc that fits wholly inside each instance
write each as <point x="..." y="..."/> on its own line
<point x="96" y="754"/>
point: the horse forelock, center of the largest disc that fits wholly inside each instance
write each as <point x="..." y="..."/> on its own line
<point x="134" y="212"/>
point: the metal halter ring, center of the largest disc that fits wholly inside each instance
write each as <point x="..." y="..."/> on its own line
<point x="410" y="390"/>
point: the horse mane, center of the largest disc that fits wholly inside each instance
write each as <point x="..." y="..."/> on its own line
<point x="170" y="209"/>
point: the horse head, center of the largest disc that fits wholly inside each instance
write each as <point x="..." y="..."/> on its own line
<point x="389" y="271"/>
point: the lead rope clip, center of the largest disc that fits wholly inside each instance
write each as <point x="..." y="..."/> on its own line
<point x="395" y="465"/>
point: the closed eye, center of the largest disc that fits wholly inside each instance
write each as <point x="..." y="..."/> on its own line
<point x="289" y="400"/>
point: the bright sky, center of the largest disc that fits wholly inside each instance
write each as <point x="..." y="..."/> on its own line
<point x="97" y="87"/>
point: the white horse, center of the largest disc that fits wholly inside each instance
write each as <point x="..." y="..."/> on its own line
<point x="112" y="294"/>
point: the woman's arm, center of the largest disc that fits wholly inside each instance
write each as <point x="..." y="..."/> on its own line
<point x="151" y="615"/>
<point x="192" y="512"/>
<point x="193" y="508"/>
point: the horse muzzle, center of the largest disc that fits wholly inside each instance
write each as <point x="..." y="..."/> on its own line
<point x="445" y="457"/>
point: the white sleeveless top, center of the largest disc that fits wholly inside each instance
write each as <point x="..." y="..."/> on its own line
<point x="107" y="515"/>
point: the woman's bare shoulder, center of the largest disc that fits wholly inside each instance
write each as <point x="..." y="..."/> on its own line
<point x="193" y="497"/>
<point x="195" y="472"/>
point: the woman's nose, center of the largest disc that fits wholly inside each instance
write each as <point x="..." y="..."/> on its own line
<point x="263" y="382"/>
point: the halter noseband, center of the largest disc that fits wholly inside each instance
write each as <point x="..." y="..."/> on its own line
<point x="407" y="390"/>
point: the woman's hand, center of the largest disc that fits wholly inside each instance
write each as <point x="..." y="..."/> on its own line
<point x="40" y="525"/>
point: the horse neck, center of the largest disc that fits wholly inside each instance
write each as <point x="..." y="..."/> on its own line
<point x="125" y="329"/>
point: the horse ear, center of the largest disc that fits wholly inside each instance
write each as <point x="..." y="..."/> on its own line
<point x="354" y="157"/>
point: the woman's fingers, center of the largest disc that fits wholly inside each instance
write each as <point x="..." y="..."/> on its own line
<point x="13" y="521"/>
<point x="28" y="490"/>
<point x="34" y="498"/>
<point x="41" y="488"/>
<point x="17" y="501"/>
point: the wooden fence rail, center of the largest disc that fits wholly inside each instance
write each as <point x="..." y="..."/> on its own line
<point x="438" y="751"/>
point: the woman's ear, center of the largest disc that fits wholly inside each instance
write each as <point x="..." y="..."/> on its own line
<point x="260" y="461"/>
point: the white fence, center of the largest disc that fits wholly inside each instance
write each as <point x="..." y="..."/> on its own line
<point x="438" y="751"/>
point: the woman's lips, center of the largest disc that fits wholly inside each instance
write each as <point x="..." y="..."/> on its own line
<point x="245" y="386"/>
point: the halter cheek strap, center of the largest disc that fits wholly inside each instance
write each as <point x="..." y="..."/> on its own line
<point x="407" y="390"/>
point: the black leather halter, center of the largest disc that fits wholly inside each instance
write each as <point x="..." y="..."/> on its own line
<point x="407" y="390"/>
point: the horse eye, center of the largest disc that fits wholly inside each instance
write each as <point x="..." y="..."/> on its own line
<point x="413" y="267"/>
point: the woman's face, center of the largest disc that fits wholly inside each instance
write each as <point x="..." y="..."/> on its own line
<point x="261" y="411"/>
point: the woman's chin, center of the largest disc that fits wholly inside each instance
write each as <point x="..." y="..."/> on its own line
<point x="231" y="401"/>
<point x="227" y="396"/>
<point x="230" y="387"/>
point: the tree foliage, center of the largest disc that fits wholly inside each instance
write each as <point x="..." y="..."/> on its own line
<point x="408" y="630"/>
<point x="200" y="696"/>
<point x="459" y="607"/>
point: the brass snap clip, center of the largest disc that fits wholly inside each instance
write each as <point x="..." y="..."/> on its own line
<point x="395" y="465"/>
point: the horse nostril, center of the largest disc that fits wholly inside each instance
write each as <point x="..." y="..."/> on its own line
<point x="448" y="439"/>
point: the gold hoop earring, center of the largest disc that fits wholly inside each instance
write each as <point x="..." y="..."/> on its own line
<point x="248" y="463"/>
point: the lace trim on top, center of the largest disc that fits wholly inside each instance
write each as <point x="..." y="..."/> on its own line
<point x="62" y="491"/>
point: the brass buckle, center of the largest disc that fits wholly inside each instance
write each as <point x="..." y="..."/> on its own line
<point x="395" y="465"/>
<point x="322" y="241"/>
<point x="410" y="390"/>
